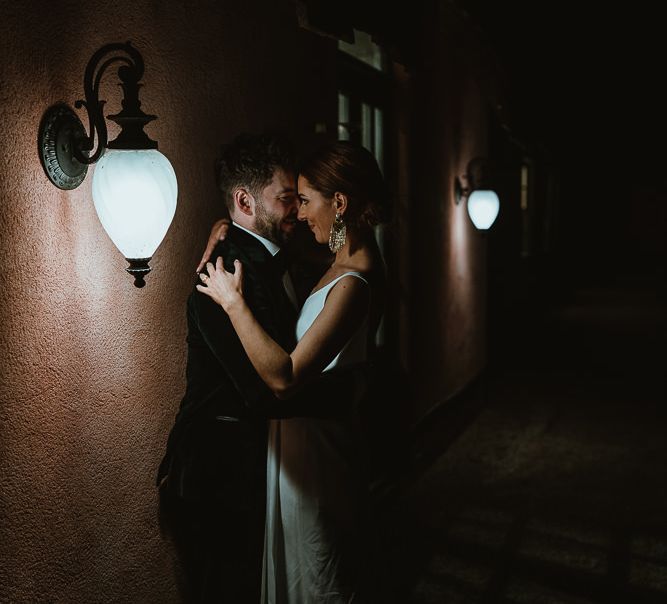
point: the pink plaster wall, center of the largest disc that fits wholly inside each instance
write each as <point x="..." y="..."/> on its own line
<point x="454" y="92"/>
<point x="92" y="369"/>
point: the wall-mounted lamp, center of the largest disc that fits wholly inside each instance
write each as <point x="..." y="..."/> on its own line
<point x="134" y="185"/>
<point x="483" y="202"/>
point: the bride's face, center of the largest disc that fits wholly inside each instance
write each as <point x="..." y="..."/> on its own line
<point x="315" y="209"/>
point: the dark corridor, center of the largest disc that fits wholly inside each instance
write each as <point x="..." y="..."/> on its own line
<point x="555" y="491"/>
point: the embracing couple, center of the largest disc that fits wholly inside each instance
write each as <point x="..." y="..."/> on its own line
<point x="262" y="484"/>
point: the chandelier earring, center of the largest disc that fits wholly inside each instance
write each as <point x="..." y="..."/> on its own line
<point x="337" y="234"/>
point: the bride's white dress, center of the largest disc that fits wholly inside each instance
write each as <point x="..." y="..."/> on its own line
<point x="315" y="492"/>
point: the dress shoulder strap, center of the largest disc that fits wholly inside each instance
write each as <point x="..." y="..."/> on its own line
<point x="329" y="285"/>
<point x="325" y="289"/>
<point x="353" y="273"/>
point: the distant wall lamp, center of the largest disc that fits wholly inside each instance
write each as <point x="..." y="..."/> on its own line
<point x="134" y="185"/>
<point x="483" y="202"/>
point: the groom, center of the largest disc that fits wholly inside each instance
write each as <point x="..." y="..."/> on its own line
<point x="212" y="478"/>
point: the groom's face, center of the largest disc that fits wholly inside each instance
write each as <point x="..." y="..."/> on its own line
<point x="276" y="208"/>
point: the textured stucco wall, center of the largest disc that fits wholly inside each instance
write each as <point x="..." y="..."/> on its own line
<point x="92" y="369"/>
<point x="453" y="96"/>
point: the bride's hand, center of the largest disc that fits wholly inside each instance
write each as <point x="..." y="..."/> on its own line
<point x="224" y="288"/>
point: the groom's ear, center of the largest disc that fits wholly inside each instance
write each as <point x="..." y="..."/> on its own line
<point x="244" y="202"/>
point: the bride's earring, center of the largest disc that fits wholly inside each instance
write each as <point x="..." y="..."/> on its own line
<point x="337" y="233"/>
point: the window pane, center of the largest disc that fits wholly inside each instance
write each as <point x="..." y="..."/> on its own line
<point x="367" y="126"/>
<point x="343" y="117"/>
<point x="378" y="142"/>
<point x="363" y="49"/>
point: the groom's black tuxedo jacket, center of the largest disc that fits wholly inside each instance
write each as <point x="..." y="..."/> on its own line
<point x="218" y="441"/>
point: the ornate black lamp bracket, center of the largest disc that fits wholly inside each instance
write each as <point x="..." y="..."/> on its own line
<point x="65" y="149"/>
<point x="59" y="132"/>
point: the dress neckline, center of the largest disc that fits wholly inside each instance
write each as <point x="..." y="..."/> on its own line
<point x="317" y="291"/>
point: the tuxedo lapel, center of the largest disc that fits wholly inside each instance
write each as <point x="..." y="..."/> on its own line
<point x="263" y="289"/>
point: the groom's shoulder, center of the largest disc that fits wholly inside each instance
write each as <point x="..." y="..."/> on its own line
<point x="247" y="252"/>
<point x="237" y="242"/>
<point x="231" y="247"/>
<point x="241" y="245"/>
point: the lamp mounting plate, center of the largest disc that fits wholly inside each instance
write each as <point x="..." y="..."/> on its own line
<point x="461" y="189"/>
<point x="59" y="131"/>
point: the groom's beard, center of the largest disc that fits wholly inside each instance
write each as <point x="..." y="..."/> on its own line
<point x="268" y="226"/>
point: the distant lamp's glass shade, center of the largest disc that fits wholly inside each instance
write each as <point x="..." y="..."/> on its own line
<point x="135" y="195"/>
<point x="483" y="208"/>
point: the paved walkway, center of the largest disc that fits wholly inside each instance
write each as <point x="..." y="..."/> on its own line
<point x="556" y="492"/>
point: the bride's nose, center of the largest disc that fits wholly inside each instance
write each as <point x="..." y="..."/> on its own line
<point x="301" y="213"/>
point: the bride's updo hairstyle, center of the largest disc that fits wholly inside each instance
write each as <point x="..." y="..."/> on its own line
<point x="347" y="168"/>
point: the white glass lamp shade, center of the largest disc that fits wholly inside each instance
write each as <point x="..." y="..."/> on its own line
<point x="483" y="208"/>
<point x="135" y="195"/>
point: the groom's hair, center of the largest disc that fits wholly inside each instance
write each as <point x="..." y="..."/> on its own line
<point x="250" y="160"/>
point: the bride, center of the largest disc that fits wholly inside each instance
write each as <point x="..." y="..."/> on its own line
<point x="314" y="549"/>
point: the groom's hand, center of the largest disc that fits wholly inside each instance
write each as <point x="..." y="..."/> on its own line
<point x="218" y="233"/>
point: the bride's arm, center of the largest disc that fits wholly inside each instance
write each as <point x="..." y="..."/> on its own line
<point x="218" y="233"/>
<point x="344" y="311"/>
